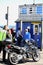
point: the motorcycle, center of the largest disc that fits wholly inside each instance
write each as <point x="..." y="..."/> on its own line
<point x="17" y="53"/>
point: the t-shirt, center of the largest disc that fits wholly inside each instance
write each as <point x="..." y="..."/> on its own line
<point x="27" y="36"/>
<point x="18" y="33"/>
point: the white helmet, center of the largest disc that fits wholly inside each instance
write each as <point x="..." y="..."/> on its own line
<point x="28" y="27"/>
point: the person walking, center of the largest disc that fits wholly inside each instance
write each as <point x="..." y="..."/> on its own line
<point x="4" y="44"/>
<point x="19" y="37"/>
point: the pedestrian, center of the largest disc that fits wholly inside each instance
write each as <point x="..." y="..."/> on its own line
<point x="4" y="44"/>
<point x="19" y="37"/>
<point x="0" y="39"/>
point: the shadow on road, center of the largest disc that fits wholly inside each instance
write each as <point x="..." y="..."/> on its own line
<point x="7" y="62"/>
<point x="4" y="62"/>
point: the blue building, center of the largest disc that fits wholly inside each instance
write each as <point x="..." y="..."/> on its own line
<point x="31" y="15"/>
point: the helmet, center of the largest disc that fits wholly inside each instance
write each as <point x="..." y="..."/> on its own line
<point x="28" y="27"/>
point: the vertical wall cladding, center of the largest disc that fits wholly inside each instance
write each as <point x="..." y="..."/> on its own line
<point x="31" y="30"/>
<point x="40" y="34"/>
<point x="17" y="26"/>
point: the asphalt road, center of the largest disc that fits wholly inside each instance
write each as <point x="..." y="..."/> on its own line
<point x="30" y="62"/>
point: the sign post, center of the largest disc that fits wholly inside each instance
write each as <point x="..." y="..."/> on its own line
<point x="7" y="15"/>
<point x="33" y="1"/>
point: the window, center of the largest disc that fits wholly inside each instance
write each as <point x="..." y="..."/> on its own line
<point x="36" y="29"/>
<point x="23" y="11"/>
<point x="39" y="9"/>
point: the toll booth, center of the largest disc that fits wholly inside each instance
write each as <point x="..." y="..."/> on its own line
<point x="31" y="15"/>
<point x="33" y="26"/>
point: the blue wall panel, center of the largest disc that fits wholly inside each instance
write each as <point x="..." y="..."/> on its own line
<point x="17" y="26"/>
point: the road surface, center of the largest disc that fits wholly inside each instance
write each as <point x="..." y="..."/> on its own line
<point x="30" y="62"/>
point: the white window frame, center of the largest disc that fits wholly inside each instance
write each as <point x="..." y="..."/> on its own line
<point x="34" y="28"/>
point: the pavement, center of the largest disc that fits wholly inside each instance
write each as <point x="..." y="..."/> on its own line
<point x="30" y="62"/>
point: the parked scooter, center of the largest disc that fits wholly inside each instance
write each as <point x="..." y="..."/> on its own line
<point x="17" y="53"/>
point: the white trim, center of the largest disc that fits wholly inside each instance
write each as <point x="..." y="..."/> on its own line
<point x="21" y="25"/>
<point x="34" y="29"/>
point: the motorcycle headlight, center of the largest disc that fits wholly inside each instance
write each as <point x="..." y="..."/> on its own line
<point x="21" y="51"/>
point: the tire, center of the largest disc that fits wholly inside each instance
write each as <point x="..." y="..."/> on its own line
<point x="23" y="60"/>
<point x="13" y="58"/>
<point x="36" y="56"/>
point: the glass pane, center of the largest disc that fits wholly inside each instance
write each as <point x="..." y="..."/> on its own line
<point x="23" y="11"/>
<point x="39" y="9"/>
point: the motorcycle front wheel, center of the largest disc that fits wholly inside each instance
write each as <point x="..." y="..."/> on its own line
<point x="13" y="58"/>
<point x="36" y="56"/>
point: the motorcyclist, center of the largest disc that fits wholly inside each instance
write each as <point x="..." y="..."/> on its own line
<point x="27" y="35"/>
<point x="28" y="38"/>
